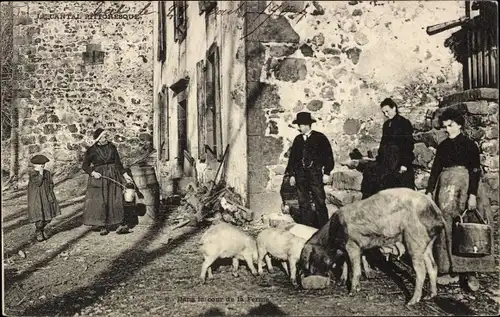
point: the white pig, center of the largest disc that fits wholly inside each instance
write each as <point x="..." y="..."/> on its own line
<point x="227" y="241"/>
<point x="282" y="245"/>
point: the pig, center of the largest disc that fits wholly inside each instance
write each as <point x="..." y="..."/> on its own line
<point x="224" y="240"/>
<point x="389" y="217"/>
<point x="282" y="245"/>
<point x="306" y="232"/>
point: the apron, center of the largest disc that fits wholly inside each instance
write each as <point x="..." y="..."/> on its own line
<point x="451" y="197"/>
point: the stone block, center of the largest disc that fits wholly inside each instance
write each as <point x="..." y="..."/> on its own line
<point x="306" y="50"/>
<point x="262" y="27"/>
<point x="353" y="54"/>
<point x="361" y="39"/>
<point x="351" y="126"/>
<point x="292" y="6"/>
<point x="291" y="70"/>
<point x="490" y="182"/>
<point x="341" y="198"/>
<point x="318" y="39"/>
<point x="283" y="50"/>
<point x="331" y="51"/>
<point x="476" y="107"/>
<point x="421" y="180"/>
<point x="318" y="9"/>
<point x="423" y="155"/>
<point x="470" y="95"/>
<point x="269" y="151"/>
<point x="350" y="180"/>
<point x="491" y="132"/>
<point x="490" y="147"/>
<point x="315" y="105"/>
<point x="493" y="108"/>
<point x="490" y="162"/>
<point x="262" y="95"/>
<point x="474" y="133"/>
<point x="255" y="57"/>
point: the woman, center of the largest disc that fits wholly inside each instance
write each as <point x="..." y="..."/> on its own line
<point x="393" y="166"/>
<point x="454" y="184"/>
<point x="104" y="198"/>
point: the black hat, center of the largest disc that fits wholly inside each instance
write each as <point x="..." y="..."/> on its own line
<point x="39" y="159"/>
<point x="98" y="132"/>
<point x="303" y="118"/>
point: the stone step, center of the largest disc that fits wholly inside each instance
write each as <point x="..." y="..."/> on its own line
<point x="470" y="95"/>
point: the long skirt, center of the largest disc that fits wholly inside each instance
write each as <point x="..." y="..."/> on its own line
<point x="451" y="197"/>
<point x="104" y="199"/>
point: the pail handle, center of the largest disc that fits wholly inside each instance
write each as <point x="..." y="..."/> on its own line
<point x="477" y="213"/>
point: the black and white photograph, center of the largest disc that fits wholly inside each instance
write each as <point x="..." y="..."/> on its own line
<point x="250" y="158"/>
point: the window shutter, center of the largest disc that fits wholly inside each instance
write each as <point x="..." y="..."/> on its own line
<point x="164" y="124"/>
<point x="218" y="105"/>
<point x="200" y="95"/>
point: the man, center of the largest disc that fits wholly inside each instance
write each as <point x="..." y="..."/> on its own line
<point x="309" y="166"/>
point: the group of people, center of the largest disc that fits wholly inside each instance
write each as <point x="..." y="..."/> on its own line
<point x="104" y="204"/>
<point x="454" y="183"/>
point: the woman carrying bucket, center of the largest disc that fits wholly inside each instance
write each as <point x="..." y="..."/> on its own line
<point x="104" y="196"/>
<point x="455" y="186"/>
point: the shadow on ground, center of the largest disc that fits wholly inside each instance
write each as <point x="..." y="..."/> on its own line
<point x="128" y="263"/>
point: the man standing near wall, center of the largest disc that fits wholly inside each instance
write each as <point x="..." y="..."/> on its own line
<point x="309" y="166"/>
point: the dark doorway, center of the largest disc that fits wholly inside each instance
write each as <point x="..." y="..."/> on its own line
<point x="182" y="132"/>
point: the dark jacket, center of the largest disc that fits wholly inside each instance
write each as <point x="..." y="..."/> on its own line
<point x="42" y="203"/>
<point x="460" y="151"/>
<point x="315" y="153"/>
<point x="397" y="135"/>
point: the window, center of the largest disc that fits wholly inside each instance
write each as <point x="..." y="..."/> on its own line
<point x="162" y="39"/>
<point x="93" y="55"/>
<point x="206" y="6"/>
<point x="213" y="135"/>
<point x="180" y="20"/>
<point x="180" y="89"/>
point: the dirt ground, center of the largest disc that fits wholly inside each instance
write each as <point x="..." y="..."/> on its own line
<point x="154" y="271"/>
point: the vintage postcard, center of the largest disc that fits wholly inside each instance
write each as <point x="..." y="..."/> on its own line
<point x="248" y="158"/>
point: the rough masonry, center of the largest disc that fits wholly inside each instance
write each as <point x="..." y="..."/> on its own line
<point x="77" y="72"/>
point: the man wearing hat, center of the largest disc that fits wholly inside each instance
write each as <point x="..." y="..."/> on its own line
<point x="42" y="203"/>
<point x="104" y="198"/>
<point x="309" y="166"/>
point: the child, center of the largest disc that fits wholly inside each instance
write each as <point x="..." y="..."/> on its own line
<point x="42" y="203"/>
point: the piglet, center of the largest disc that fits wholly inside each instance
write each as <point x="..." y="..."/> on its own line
<point x="283" y="245"/>
<point x="227" y="241"/>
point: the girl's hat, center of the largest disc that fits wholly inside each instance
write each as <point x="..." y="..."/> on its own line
<point x="39" y="159"/>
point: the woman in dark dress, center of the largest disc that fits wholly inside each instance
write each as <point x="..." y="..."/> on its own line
<point x="455" y="185"/>
<point x="104" y="198"/>
<point x="393" y="166"/>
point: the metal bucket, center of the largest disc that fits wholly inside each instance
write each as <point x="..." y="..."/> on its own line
<point x="471" y="239"/>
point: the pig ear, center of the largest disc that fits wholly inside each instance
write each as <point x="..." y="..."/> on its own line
<point x="337" y="231"/>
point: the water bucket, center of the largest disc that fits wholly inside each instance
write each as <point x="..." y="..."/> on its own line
<point x="471" y="239"/>
<point x="148" y="192"/>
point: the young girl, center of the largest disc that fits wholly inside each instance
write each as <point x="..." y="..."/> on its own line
<point x="42" y="203"/>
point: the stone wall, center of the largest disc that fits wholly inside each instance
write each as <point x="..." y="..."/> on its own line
<point x="339" y="60"/>
<point x="62" y="99"/>
<point x="480" y="109"/>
